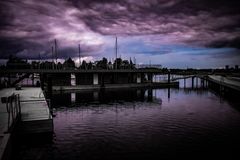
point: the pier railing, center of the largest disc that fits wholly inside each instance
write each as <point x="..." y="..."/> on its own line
<point x="13" y="109"/>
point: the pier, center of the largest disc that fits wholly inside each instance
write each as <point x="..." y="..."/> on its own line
<point x="55" y="80"/>
<point x="29" y="113"/>
<point x="228" y="86"/>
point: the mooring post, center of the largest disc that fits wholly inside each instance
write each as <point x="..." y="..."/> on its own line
<point x="150" y="95"/>
<point x="169" y="76"/>
<point x="192" y="82"/>
<point x="196" y="82"/>
<point x="184" y="82"/>
<point x="168" y="93"/>
<point x="150" y="77"/>
<point x="142" y="78"/>
<point x="202" y="83"/>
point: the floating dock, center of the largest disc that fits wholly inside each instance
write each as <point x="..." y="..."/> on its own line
<point x="34" y="116"/>
<point x="225" y="86"/>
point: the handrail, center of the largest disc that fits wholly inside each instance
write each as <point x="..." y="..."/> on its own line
<point x="13" y="109"/>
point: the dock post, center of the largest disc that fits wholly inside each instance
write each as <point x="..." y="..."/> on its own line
<point x="150" y="95"/>
<point x="150" y="77"/>
<point x="168" y="93"/>
<point x="192" y="82"/>
<point x="196" y="82"/>
<point x="143" y="78"/>
<point x="202" y="83"/>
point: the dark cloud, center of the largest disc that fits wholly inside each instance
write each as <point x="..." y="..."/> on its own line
<point x="28" y="27"/>
<point x="234" y="43"/>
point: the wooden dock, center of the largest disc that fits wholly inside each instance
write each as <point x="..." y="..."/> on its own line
<point x="224" y="86"/>
<point x="225" y="82"/>
<point x="35" y="116"/>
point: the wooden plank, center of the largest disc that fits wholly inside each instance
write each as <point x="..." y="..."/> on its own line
<point x="35" y="111"/>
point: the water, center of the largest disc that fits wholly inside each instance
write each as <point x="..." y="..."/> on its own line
<point x="128" y="124"/>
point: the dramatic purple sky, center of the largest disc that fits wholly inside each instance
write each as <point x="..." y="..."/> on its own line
<point x="174" y="33"/>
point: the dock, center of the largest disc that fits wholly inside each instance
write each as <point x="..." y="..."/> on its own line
<point x="226" y="82"/>
<point x="34" y="116"/>
<point x="225" y="86"/>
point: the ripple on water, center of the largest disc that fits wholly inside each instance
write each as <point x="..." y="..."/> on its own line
<point x="185" y="123"/>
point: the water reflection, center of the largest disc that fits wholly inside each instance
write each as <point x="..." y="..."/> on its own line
<point x="140" y="124"/>
<point x="187" y="86"/>
<point x="104" y="97"/>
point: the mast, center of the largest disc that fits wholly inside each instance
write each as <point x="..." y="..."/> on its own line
<point x="39" y="57"/>
<point x="116" y="45"/>
<point x="79" y="51"/>
<point x="52" y="57"/>
<point x="55" y="44"/>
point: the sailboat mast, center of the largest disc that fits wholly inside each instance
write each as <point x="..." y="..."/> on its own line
<point x="79" y="57"/>
<point x="116" y="45"/>
<point x="55" y="44"/>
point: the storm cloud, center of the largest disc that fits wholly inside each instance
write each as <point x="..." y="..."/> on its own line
<point x="29" y="27"/>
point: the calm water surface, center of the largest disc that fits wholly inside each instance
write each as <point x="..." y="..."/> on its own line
<point x="127" y="124"/>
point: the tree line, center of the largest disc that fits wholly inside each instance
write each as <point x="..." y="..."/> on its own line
<point x="18" y="63"/>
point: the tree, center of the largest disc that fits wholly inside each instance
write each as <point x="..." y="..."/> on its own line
<point x="118" y="63"/>
<point x="125" y="64"/>
<point x="102" y="64"/>
<point x="69" y="64"/>
<point x="84" y="65"/>
<point x="90" y="65"/>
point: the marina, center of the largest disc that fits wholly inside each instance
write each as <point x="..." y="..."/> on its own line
<point x="35" y="112"/>
<point x="125" y="123"/>
<point x="119" y="80"/>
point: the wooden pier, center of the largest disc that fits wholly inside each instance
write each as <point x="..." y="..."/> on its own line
<point x="225" y="85"/>
<point x="34" y="116"/>
<point x="225" y="82"/>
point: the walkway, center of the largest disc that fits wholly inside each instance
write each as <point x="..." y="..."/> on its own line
<point x="225" y="81"/>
